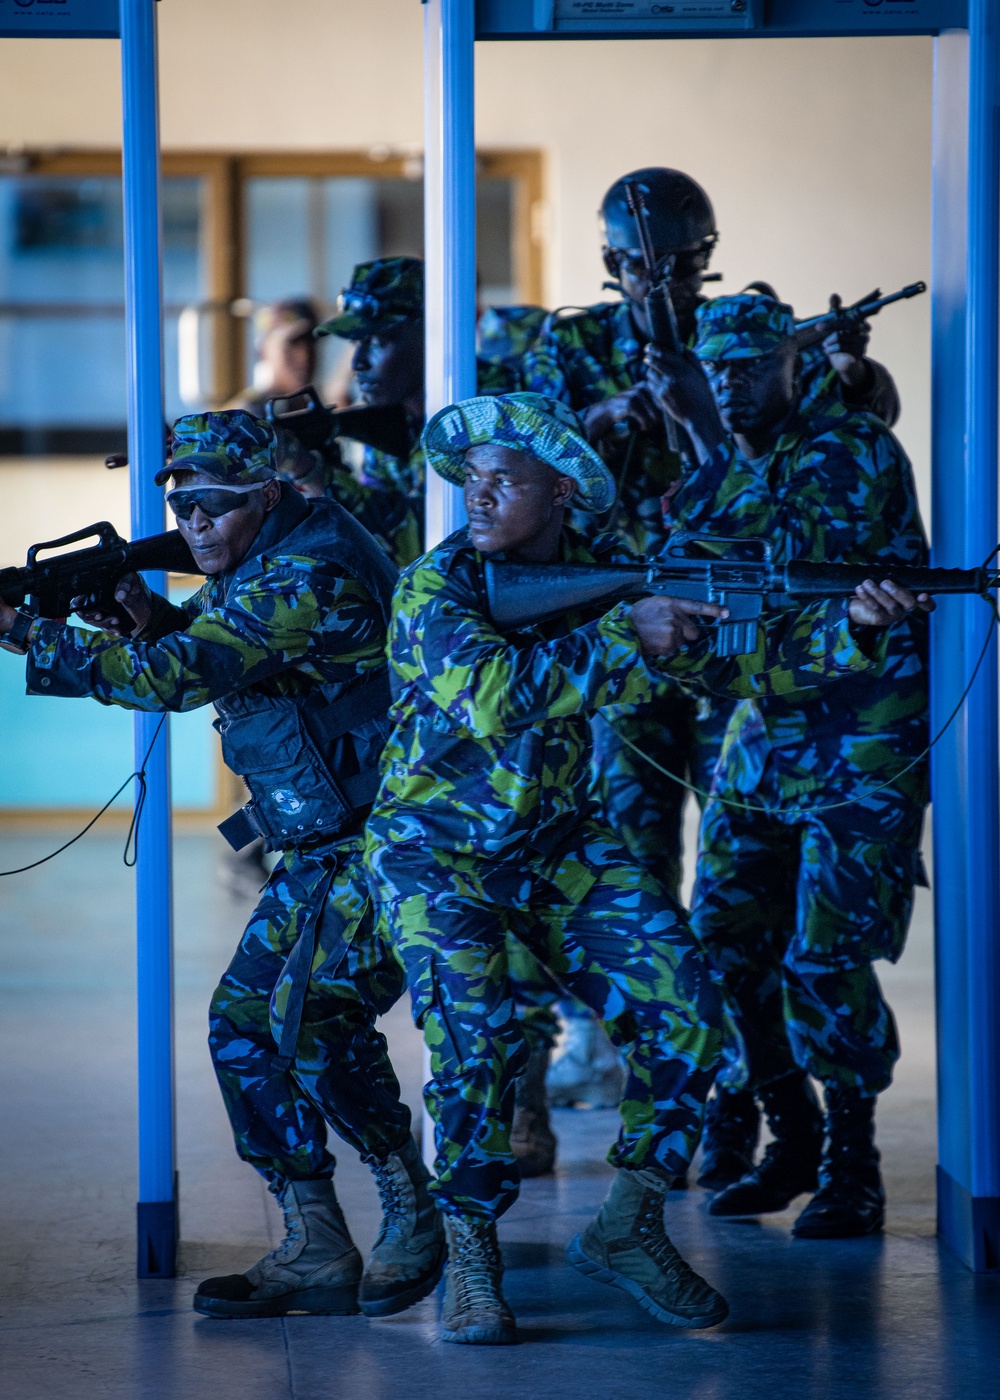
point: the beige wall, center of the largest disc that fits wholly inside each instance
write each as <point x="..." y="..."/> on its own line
<point x="816" y="153"/>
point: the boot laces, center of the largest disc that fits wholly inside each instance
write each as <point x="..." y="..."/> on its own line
<point x="655" y="1240"/>
<point x="474" y="1262"/>
<point x="293" y="1234"/>
<point x="390" y="1194"/>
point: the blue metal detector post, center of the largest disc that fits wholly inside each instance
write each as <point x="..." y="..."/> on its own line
<point x="965" y="766"/>
<point x="157" y="1207"/>
<point x="449" y="259"/>
<point x="966" y="257"/>
<point x="449" y="229"/>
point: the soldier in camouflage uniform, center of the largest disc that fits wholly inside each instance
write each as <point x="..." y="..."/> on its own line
<point x="795" y="903"/>
<point x="389" y="516"/>
<point x="287" y="639"/>
<point x="482" y="829"/>
<point x="383" y="312"/>
<point x="594" y="360"/>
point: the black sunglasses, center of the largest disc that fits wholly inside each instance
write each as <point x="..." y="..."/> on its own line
<point x="212" y="501"/>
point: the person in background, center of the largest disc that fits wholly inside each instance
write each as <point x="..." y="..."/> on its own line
<point x="284" y="353"/>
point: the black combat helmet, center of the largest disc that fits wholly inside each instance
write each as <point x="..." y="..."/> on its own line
<point x="681" y="218"/>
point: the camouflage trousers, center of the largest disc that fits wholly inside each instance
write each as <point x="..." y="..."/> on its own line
<point x="793" y="911"/>
<point x="642" y="808"/>
<point x="315" y="919"/>
<point x="609" y="935"/>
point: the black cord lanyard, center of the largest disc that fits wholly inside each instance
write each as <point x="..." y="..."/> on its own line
<point x="131" y="852"/>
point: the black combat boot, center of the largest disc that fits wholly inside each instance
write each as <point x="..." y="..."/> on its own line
<point x="790" y="1164"/>
<point x="532" y="1140"/>
<point x="732" y="1127"/>
<point x="850" y="1200"/>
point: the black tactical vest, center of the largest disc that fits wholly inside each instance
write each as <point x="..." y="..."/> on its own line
<point x="310" y="760"/>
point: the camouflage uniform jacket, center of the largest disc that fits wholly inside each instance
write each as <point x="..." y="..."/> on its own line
<point x="300" y="626"/>
<point x="407" y="475"/>
<point x="836" y="487"/>
<point x="489" y="760"/>
<point x="587" y="358"/>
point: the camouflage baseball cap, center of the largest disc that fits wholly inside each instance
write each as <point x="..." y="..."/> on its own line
<point x="531" y="423"/>
<point x="744" y="327"/>
<point x="383" y="294"/>
<point x="231" y="445"/>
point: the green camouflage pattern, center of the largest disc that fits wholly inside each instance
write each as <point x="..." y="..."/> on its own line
<point x="543" y="428"/>
<point x="838" y="487"/>
<point x="382" y="295"/>
<point x="301" y="623"/>
<point x="620" y="946"/>
<point x="644" y="809"/>
<point x="793" y="909"/>
<point x="743" y="327"/>
<point x="230" y="445"/>
<point x="341" y="1074"/>
<point x="581" y="360"/>
<point x="479" y="817"/>
<point x="505" y="334"/>
<point x="380" y="472"/>
<point x="389" y="516"/>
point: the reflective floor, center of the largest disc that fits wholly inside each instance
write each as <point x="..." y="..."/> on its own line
<point x="893" y="1317"/>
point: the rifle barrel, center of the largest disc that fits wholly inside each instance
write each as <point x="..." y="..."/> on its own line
<point x="807" y="580"/>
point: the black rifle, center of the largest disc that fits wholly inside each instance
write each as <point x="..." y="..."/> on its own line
<point x="663" y="332"/>
<point x="520" y="594"/>
<point x="383" y="427"/>
<point x="840" y="318"/>
<point x="49" y="585"/>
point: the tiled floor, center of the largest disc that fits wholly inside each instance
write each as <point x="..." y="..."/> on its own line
<point x="885" y="1319"/>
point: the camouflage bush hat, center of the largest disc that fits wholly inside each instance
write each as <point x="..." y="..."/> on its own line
<point x="544" y="428"/>
<point x="744" y="327"/>
<point x="383" y="294"/>
<point x="231" y="445"/>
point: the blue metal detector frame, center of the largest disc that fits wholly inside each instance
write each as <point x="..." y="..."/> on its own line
<point x="964" y="292"/>
<point x="134" y="22"/>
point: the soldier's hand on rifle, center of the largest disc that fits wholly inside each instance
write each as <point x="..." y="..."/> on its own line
<point x="846" y="348"/>
<point x="682" y="389"/>
<point x="666" y="624"/>
<point x="875" y="605"/>
<point x="637" y="407"/>
<point x="135" y="598"/>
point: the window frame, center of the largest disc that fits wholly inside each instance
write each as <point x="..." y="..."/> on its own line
<point x="225" y="174"/>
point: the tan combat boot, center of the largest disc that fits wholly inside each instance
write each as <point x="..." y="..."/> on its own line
<point x="532" y="1140"/>
<point x="628" y="1247"/>
<point x="408" y="1257"/>
<point x="475" y="1310"/>
<point x="315" y="1269"/>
